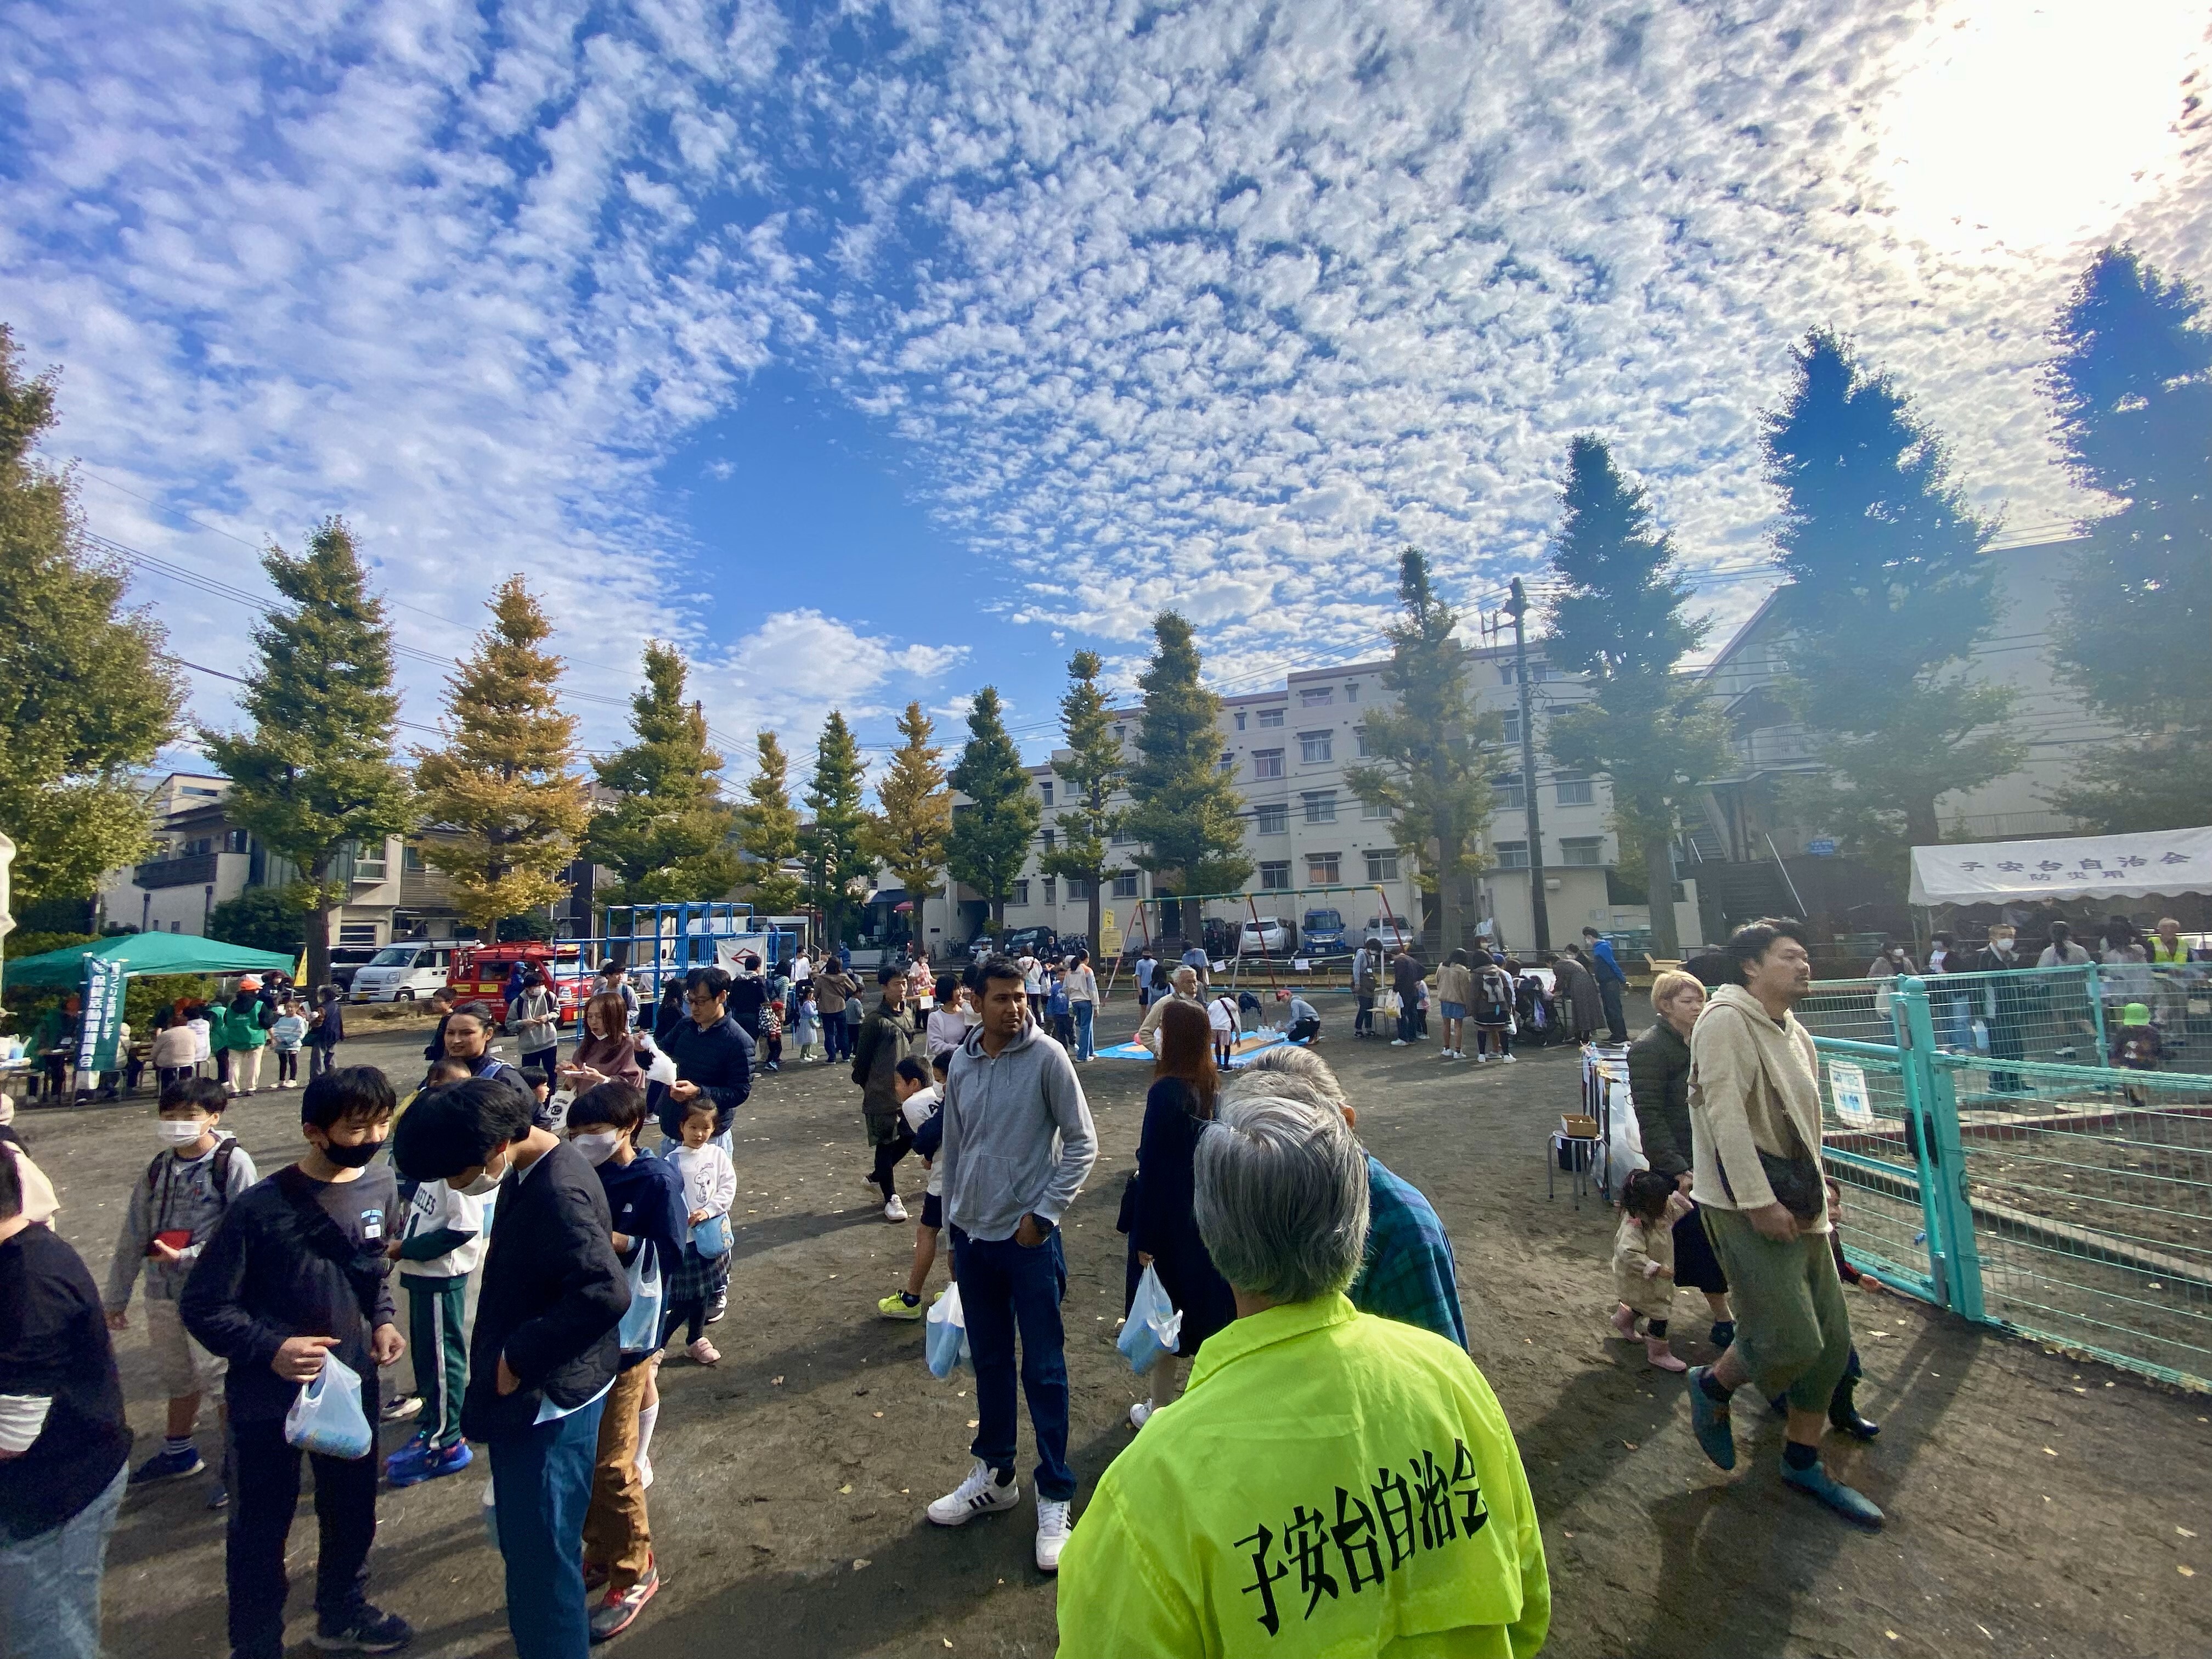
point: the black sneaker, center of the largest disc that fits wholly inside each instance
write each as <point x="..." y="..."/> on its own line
<point x="364" y="1630"/>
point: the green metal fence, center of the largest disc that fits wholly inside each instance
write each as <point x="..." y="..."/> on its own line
<point x="2072" y="1203"/>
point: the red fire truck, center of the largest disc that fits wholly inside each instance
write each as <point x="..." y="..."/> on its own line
<point x="479" y="975"/>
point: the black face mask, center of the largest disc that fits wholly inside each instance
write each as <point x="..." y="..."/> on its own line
<point x="352" y="1157"/>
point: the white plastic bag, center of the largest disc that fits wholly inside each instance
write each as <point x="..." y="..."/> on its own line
<point x="1154" y="1326"/>
<point x="327" y="1418"/>
<point x="661" y="1069"/>
<point x="640" y="1326"/>
<point x="946" y="1334"/>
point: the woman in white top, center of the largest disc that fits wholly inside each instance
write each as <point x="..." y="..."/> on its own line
<point x="1081" y="984"/>
<point x="948" y="1022"/>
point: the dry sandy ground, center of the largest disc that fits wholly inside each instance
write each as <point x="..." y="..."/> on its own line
<point x="2038" y="1505"/>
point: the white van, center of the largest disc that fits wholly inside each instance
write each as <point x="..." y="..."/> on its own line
<point x="404" y="973"/>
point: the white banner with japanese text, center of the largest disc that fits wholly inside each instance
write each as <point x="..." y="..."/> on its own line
<point x="2167" y="861"/>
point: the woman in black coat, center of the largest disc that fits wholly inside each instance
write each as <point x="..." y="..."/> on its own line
<point x="1659" y="1084"/>
<point x="1177" y="1112"/>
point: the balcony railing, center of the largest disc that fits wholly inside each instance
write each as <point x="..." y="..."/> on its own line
<point x="194" y="869"/>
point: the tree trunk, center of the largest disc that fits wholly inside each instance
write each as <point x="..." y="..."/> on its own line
<point x="318" y="929"/>
<point x="999" y="914"/>
<point x="1922" y="827"/>
<point x="1659" y="892"/>
<point x="1449" y="924"/>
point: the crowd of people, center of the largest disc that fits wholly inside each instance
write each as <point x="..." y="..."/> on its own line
<point x="584" y="1207"/>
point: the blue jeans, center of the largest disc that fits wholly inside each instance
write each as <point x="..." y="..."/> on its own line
<point x="1408" y="1026"/>
<point x="1005" y="1288"/>
<point x="50" y="1584"/>
<point x="542" y="1486"/>
<point x="1085" y="1014"/>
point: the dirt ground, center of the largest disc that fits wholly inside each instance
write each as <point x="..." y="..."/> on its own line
<point x="2038" y="1505"/>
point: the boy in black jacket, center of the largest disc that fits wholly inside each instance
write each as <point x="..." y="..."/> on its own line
<point x="545" y="1349"/>
<point x="295" y="1275"/>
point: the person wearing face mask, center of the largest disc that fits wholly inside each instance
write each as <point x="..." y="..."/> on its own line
<point x="2003" y="1000"/>
<point x="546" y="1346"/>
<point x="645" y="1200"/>
<point x="442" y="1242"/>
<point x="293" y="1277"/>
<point x="174" y="1209"/>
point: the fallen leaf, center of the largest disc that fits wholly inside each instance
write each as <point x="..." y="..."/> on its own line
<point x="972" y="1422"/>
<point x="775" y="1382"/>
<point x="2185" y="1532"/>
<point x="875" y="1413"/>
<point x="842" y="1490"/>
<point x="2186" y="1572"/>
<point x="2047" y="1452"/>
<point x="1891" y="1634"/>
<point x="1630" y="1444"/>
<point x="947" y="1642"/>
<point x="860" y="1562"/>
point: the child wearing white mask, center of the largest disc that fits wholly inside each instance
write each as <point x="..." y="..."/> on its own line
<point x="174" y="1208"/>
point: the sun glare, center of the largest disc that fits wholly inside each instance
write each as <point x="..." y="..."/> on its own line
<point x="2027" y="125"/>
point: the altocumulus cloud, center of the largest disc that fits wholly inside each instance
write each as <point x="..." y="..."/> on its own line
<point x="1211" y="303"/>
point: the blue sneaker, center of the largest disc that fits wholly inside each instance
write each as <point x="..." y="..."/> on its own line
<point x="414" y="1464"/>
<point x="1852" y="1505"/>
<point x="166" y="1464"/>
<point x="1709" y="1421"/>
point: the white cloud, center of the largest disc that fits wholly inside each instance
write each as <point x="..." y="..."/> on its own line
<point x="794" y="668"/>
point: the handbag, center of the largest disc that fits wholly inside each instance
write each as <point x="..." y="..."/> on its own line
<point x="711" y="1238"/>
<point x="1794" y="1178"/>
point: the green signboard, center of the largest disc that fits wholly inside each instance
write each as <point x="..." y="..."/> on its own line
<point x="104" y="983"/>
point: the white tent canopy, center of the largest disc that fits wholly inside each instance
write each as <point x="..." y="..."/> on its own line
<point x="2161" y="864"/>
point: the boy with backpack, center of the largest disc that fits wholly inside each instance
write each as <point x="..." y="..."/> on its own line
<point x="293" y="1281"/>
<point x="174" y="1208"/>
<point x="1493" y="1014"/>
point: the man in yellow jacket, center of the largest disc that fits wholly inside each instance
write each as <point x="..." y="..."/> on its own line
<point x="1330" y="1482"/>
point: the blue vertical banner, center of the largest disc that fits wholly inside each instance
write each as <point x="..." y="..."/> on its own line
<point x="104" y="983"/>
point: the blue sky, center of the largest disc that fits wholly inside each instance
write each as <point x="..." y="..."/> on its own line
<point x="876" y="351"/>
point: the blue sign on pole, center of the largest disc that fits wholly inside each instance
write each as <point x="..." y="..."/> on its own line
<point x="1821" y="847"/>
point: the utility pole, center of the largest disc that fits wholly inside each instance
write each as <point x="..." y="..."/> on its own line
<point x="1539" y="919"/>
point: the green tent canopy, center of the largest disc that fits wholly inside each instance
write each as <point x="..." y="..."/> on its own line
<point x="142" y="953"/>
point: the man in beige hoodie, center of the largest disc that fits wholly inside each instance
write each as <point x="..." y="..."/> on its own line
<point x="1755" y="1149"/>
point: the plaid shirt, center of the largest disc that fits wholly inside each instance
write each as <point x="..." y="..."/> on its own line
<point x="1406" y="1274"/>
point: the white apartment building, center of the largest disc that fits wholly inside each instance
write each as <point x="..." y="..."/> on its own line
<point x="1288" y="750"/>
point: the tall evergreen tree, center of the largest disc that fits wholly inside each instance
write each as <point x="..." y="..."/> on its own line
<point x="87" y="692"/>
<point x="1621" y="623"/>
<point x="504" y="780"/>
<point x="1088" y="777"/>
<point x="1428" y="763"/>
<point x="991" y="833"/>
<point x="1187" y="812"/>
<point x="1889" y="594"/>
<point x="835" y="843"/>
<point x="668" y="839"/>
<point x="317" y="772"/>
<point x="2132" y="386"/>
<point x="767" y="833"/>
<point x="909" y="835"/>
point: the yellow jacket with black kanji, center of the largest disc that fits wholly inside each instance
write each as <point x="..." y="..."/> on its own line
<point x="1331" y="1483"/>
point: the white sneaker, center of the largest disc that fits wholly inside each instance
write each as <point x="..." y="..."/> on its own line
<point x="980" y="1493"/>
<point x="1139" y="1412"/>
<point x="1397" y="1043"/>
<point x="896" y="1210"/>
<point x="1506" y="1058"/>
<point x="1053" y="1526"/>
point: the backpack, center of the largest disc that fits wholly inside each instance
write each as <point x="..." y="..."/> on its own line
<point x="225" y="1146"/>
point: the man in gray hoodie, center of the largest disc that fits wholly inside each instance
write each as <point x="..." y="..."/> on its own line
<point x="1017" y="1144"/>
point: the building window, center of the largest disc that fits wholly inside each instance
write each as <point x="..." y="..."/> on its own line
<point x="1121" y="837"/>
<point x="1050" y="896"/>
<point x="1240" y="719"/>
<point x="410" y="859"/>
<point x="1316" y="748"/>
<point x="1267" y="762"/>
<point x="1047" y="840"/>
<point x="1351" y="691"/>
<point x="1275" y="876"/>
<point x="1510" y="796"/>
<point x="1373" y="809"/>
<point x="1019" y="897"/>
<point x="1321" y="806"/>
<point x="1125" y="883"/>
<point x="236" y="840"/>
<point x="1575" y="789"/>
<point x="1118" y="732"/>
<point x="1513" y="726"/>
<point x="199" y="846"/>
<point x="1228" y="762"/>
<point x="1324" y="869"/>
<point x="1079" y="889"/>
<point x="356" y="934"/>
<point x="1512" y="854"/>
<point x="1382" y="866"/>
<point x="1044" y="789"/>
<point x="1273" y="820"/>
<point x="1587" y="852"/>
<point x="1359" y="738"/>
<point x="1316" y="697"/>
<point x="1271" y="717"/>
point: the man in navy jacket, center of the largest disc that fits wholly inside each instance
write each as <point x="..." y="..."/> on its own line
<point x="714" y="1057"/>
<point x="546" y="1346"/>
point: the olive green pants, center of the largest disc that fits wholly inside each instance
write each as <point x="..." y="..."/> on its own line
<point x="1793" y="1328"/>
